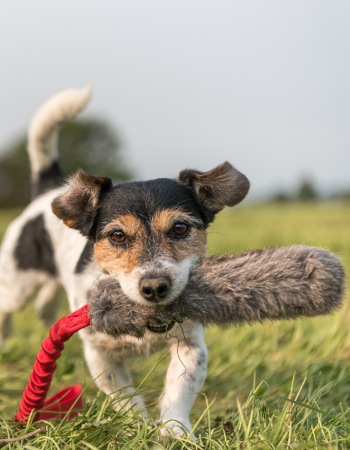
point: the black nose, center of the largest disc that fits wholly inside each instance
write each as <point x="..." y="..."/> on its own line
<point x="154" y="289"/>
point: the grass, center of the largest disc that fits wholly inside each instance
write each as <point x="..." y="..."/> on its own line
<point x="280" y="385"/>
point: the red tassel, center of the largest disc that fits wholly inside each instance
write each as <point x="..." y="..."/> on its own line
<point x="45" y="366"/>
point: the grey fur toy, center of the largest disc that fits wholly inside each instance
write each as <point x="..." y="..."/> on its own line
<point x="254" y="286"/>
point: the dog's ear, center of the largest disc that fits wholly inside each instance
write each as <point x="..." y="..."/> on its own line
<point x="222" y="186"/>
<point x="78" y="206"/>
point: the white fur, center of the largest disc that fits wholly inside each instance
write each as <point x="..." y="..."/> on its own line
<point x="42" y="135"/>
<point x="104" y="354"/>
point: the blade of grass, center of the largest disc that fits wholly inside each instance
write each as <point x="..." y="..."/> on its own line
<point x="312" y="408"/>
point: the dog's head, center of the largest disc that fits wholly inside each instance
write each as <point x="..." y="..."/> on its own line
<point x="149" y="235"/>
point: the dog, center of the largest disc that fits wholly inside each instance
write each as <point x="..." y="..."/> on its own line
<point x="147" y="235"/>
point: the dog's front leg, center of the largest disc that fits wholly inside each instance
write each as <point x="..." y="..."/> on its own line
<point x="185" y="378"/>
<point x="111" y="375"/>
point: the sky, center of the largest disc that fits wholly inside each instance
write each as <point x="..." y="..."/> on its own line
<point x="264" y="84"/>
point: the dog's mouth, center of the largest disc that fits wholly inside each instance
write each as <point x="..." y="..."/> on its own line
<point x="160" y="328"/>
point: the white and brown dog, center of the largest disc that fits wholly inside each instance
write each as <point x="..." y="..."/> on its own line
<point x="147" y="234"/>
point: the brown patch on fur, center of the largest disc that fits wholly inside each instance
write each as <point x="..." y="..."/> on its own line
<point x="69" y="222"/>
<point x="116" y="258"/>
<point x="194" y="244"/>
<point x="128" y="223"/>
<point x="165" y="219"/>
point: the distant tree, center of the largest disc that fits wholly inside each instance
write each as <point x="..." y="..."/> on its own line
<point x="281" y="197"/>
<point x="88" y="144"/>
<point x="345" y="195"/>
<point x="307" y="191"/>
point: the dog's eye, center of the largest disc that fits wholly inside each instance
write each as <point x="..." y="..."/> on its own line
<point x="180" y="228"/>
<point x="118" y="236"/>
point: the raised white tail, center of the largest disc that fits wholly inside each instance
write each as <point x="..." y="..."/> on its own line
<point x="43" y="130"/>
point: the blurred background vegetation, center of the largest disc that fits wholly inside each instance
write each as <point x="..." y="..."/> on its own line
<point x="308" y="192"/>
<point x="89" y="144"/>
<point x="93" y="145"/>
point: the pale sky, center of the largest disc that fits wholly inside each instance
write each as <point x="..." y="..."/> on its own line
<point x="263" y="84"/>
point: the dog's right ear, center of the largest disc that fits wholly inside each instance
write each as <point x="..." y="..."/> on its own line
<point x="78" y="206"/>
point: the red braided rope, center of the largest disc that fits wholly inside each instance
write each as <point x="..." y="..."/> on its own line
<point x="45" y="364"/>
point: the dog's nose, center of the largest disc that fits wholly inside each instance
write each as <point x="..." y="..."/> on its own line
<point x="154" y="289"/>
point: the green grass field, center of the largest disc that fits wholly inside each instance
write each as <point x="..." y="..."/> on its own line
<point x="250" y="368"/>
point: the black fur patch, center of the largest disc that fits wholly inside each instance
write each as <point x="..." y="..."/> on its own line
<point x="48" y="179"/>
<point x="85" y="257"/>
<point x="34" y="249"/>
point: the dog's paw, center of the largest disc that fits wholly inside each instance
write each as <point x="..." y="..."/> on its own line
<point x="173" y="429"/>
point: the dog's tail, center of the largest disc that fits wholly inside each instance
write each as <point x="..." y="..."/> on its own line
<point x="43" y="134"/>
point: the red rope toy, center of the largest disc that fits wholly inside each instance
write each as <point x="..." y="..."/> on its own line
<point x="45" y="366"/>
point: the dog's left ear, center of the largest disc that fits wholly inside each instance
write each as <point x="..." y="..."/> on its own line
<point x="78" y="205"/>
<point x="222" y="186"/>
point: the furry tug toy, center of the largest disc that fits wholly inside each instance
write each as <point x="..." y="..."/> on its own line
<point x="254" y="286"/>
